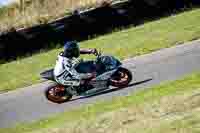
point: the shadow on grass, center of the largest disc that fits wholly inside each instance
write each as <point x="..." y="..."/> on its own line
<point x="112" y="90"/>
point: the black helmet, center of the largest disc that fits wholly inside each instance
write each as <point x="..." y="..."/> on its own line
<point x="71" y="49"/>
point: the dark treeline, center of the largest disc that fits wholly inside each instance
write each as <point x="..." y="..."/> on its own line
<point x="80" y="26"/>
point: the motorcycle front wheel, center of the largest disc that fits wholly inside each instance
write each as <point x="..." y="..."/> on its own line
<point x="57" y="93"/>
<point x="121" y="78"/>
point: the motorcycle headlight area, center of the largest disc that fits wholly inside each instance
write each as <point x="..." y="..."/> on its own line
<point x="109" y="62"/>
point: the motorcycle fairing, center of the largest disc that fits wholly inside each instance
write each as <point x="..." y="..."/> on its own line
<point x="106" y="75"/>
<point x="109" y="62"/>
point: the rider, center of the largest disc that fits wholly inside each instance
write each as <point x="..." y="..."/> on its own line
<point x="65" y="71"/>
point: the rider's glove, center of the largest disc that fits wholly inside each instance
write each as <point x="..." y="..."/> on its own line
<point x="94" y="51"/>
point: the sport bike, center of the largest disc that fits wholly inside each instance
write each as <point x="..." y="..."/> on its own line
<point x="109" y="72"/>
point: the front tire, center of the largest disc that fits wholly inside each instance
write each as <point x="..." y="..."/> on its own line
<point x="121" y="78"/>
<point x="57" y="94"/>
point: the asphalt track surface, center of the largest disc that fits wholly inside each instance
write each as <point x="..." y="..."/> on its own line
<point x="29" y="104"/>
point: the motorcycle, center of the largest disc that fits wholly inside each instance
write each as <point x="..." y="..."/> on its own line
<point x="109" y="72"/>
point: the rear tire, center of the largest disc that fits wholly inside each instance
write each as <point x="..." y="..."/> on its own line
<point x="57" y="94"/>
<point x="121" y="78"/>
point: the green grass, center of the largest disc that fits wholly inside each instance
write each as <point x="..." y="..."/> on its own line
<point x="151" y="36"/>
<point x="137" y="99"/>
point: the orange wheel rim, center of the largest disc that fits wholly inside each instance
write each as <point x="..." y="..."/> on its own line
<point x="52" y="94"/>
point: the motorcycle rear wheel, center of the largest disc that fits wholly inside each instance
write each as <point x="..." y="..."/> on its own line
<point x="57" y="94"/>
<point x="121" y="78"/>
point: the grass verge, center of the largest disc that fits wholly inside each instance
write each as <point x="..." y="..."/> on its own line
<point x="131" y="42"/>
<point x="151" y="108"/>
